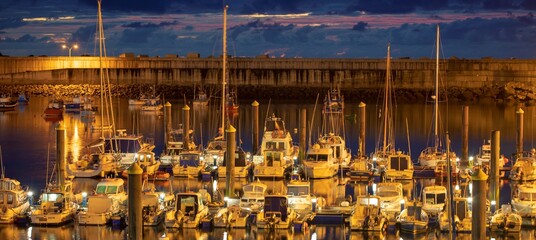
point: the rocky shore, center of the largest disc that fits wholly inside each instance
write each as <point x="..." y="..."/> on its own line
<point x="511" y="92"/>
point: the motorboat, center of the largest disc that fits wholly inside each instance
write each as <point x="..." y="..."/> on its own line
<point x="56" y="206"/>
<point x="190" y="164"/>
<point x="413" y="219"/>
<point x="108" y="200"/>
<point x="277" y="152"/>
<point x="152" y="104"/>
<point x="506" y="220"/>
<point x="299" y="196"/>
<point x="6" y="103"/>
<point x="392" y="198"/>
<point x="231" y="217"/>
<point x="276" y="213"/>
<point x="188" y="212"/>
<point x="360" y="169"/>
<point x="54" y="109"/>
<point x="462" y="216"/>
<point x="524" y="200"/>
<point x="368" y="216"/>
<point x="155" y="205"/>
<point x="23" y="99"/>
<point x="524" y="168"/>
<point x="484" y="156"/>
<point x="241" y="167"/>
<point x="399" y="166"/>
<point x="434" y="199"/>
<point x="253" y="196"/>
<point x="320" y="162"/>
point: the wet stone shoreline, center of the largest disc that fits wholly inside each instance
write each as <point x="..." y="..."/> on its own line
<point x="513" y="92"/>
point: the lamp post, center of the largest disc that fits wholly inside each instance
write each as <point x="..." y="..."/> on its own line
<point x="70" y="48"/>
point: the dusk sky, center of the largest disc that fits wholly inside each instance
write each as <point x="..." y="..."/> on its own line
<point x="281" y="28"/>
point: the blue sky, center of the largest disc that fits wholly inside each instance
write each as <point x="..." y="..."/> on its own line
<point x="281" y="28"/>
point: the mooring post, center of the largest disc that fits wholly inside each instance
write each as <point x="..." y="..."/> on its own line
<point x="167" y="128"/>
<point x="230" y="160"/>
<point x="480" y="188"/>
<point x="362" y="127"/>
<point x="303" y="133"/>
<point x="519" y="142"/>
<point x="255" y="126"/>
<point x="60" y="154"/>
<point x="135" y="220"/>
<point x="464" y="163"/>
<point x="495" y="166"/>
<point x="186" y="127"/>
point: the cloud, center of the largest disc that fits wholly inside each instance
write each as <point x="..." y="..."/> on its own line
<point x="149" y="25"/>
<point x="153" y="6"/>
<point x="6" y="23"/>
<point x="360" y="26"/>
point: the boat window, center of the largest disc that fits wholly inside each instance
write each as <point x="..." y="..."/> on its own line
<point x="1" y="198"/>
<point x="111" y="190"/>
<point x="101" y="190"/>
<point x="52" y="197"/>
<point x="10" y="198"/>
<point x="281" y="146"/>
<point x="298" y="190"/>
<point x="441" y="198"/>
<point x="430" y="198"/>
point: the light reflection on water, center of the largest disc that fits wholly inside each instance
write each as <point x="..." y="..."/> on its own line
<point x="28" y="140"/>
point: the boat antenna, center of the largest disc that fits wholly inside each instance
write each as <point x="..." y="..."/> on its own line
<point x="407" y="134"/>
<point x="313" y="119"/>
<point x="267" y="113"/>
<point x="1" y="163"/>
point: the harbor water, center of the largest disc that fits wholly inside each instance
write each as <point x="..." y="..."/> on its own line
<point x="28" y="140"/>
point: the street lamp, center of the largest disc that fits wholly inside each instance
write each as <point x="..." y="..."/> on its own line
<point x="70" y="48"/>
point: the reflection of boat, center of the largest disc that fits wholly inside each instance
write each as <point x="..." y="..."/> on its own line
<point x="505" y="220"/>
<point x="253" y="197"/>
<point x="155" y="205"/>
<point x="276" y="213"/>
<point x="367" y="215"/>
<point x="94" y="164"/>
<point x="201" y="98"/>
<point x="413" y="219"/>
<point x="299" y="195"/>
<point x="188" y="212"/>
<point x="360" y="169"/>
<point x="320" y="162"/>
<point x="524" y="200"/>
<point x="108" y="200"/>
<point x="152" y="104"/>
<point x="13" y="198"/>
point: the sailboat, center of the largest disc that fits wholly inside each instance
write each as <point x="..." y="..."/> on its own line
<point x="14" y="201"/>
<point x="103" y="160"/>
<point x="394" y="164"/>
<point x="430" y="156"/>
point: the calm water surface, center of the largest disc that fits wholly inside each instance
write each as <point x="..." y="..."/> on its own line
<point x="27" y="141"/>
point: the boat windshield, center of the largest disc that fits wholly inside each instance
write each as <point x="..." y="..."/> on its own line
<point x="123" y="145"/>
<point x="431" y="198"/>
<point x="317" y="157"/>
<point x="106" y="189"/>
<point x="217" y="145"/>
<point x="189" y="160"/>
<point x="51" y="197"/>
<point x="273" y="145"/>
<point x="387" y="193"/>
<point x="527" y="196"/>
<point x="298" y="190"/>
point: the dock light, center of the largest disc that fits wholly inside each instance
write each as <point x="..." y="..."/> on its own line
<point x="457" y="188"/>
<point x="225" y="235"/>
<point x="402" y="203"/>
<point x="226" y="199"/>
<point x="374" y="159"/>
<point x="30" y="194"/>
<point x="313" y="236"/>
<point x="471" y="189"/>
<point x="493" y="206"/>
<point x="201" y="158"/>
<point x="471" y="158"/>
<point x="248" y="155"/>
<point x="470" y="200"/>
<point x="84" y="194"/>
<point x="457" y="159"/>
<point x="374" y="187"/>
<point x="162" y="196"/>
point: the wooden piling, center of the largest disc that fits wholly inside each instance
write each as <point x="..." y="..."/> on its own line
<point x="230" y="160"/>
<point x="495" y="166"/>
<point x="60" y="154"/>
<point x="167" y="128"/>
<point x="362" y="121"/>
<point x="519" y="142"/>
<point x="255" y="126"/>
<point x="135" y="220"/>
<point x="303" y="132"/>
<point x="464" y="162"/>
<point x="186" y="127"/>
<point x="480" y="186"/>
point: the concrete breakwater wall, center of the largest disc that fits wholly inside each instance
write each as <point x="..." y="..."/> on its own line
<point x="292" y="78"/>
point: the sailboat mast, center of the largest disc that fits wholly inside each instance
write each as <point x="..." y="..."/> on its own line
<point x="101" y="71"/>
<point x="436" y="100"/>
<point x="386" y="97"/>
<point x="224" y="70"/>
